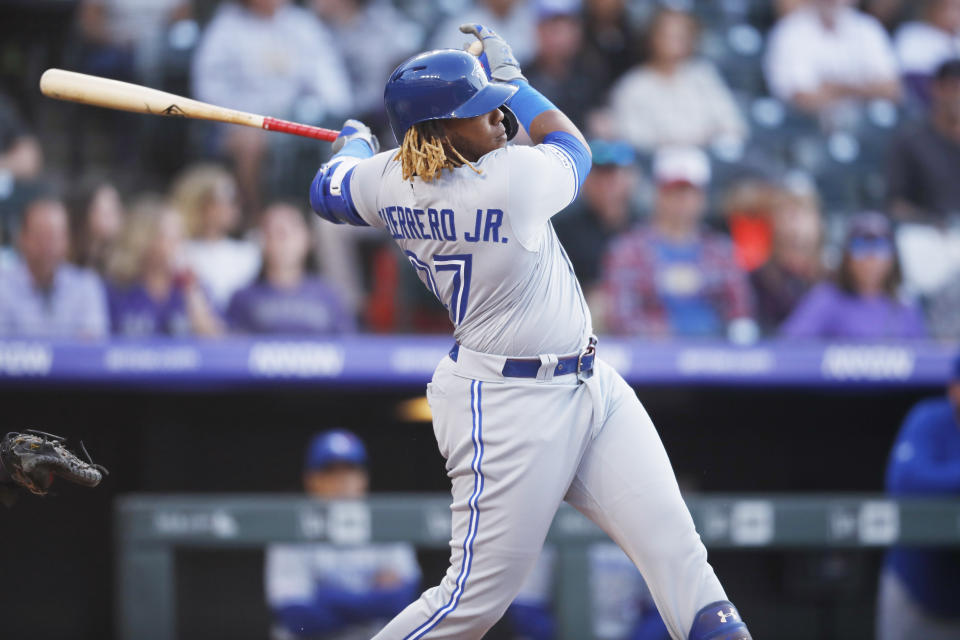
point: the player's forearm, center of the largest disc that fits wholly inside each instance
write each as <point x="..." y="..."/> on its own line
<point x="539" y="116"/>
<point x="330" y="190"/>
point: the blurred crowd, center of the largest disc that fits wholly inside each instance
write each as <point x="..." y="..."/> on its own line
<point x="761" y="169"/>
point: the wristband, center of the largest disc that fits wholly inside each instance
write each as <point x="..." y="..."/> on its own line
<point x="356" y="148"/>
<point x="527" y="103"/>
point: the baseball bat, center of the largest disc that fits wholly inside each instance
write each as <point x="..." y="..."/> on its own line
<point x="113" y="94"/>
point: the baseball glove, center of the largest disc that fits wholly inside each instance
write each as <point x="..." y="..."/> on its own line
<point x="33" y="458"/>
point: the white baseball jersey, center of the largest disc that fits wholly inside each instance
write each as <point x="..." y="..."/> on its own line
<point x="516" y="446"/>
<point x="484" y="246"/>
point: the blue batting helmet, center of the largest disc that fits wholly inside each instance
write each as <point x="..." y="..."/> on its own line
<point x="332" y="447"/>
<point x="446" y="83"/>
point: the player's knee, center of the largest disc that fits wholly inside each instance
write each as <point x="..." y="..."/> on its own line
<point x="719" y="621"/>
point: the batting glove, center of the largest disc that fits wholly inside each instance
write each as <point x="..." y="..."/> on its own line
<point x="497" y="57"/>
<point x="355" y="130"/>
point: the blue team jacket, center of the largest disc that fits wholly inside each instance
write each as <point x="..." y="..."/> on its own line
<point x="925" y="460"/>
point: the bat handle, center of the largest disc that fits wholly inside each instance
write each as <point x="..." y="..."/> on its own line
<point x="305" y="130"/>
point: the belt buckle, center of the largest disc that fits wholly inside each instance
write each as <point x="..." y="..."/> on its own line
<point x="591" y="350"/>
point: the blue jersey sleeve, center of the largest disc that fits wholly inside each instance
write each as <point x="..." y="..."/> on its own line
<point x="579" y="155"/>
<point x="915" y="464"/>
<point x="330" y="195"/>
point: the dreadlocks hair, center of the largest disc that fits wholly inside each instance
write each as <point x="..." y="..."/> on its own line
<point x="426" y="151"/>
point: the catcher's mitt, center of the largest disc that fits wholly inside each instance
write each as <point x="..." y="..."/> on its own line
<point x="33" y="458"/>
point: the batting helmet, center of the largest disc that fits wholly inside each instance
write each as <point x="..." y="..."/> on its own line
<point x="446" y="83"/>
<point x="332" y="447"/>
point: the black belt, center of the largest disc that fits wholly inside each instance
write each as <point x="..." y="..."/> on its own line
<point x="530" y="367"/>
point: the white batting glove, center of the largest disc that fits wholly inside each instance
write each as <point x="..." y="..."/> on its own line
<point x="497" y="57"/>
<point x="355" y="130"/>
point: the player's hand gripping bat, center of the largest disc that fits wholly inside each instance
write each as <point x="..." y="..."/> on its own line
<point x="113" y="94"/>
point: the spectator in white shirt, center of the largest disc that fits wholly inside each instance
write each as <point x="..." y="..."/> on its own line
<point x="827" y="54"/>
<point x="674" y="98"/>
<point x="41" y="294"/>
<point x="923" y="45"/>
<point x="206" y="195"/>
<point x="267" y="57"/>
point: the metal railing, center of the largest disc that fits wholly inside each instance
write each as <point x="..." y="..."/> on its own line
<point x="150" y="527"/>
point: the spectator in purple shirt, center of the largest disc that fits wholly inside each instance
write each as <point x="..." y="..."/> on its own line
<point x="150" y="294"/>
<point x="285" y="300"/>
<point x="41" y="294"/>
<point x="863" y="303"/>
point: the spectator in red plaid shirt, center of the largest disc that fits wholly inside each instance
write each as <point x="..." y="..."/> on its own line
<point x="672" y="277"/>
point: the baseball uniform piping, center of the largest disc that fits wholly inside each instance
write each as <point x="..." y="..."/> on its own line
<point x="476" y="395"/>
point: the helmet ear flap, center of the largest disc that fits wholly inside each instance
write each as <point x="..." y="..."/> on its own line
<point x="510" y="122"/>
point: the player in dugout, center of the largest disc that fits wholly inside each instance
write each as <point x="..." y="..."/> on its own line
<point x="919" y="586"/>
<point x="321" y="591"/>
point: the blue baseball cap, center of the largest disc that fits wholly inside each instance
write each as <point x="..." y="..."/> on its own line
<point x="616" y="153"/>
<point x="333" y="447"/>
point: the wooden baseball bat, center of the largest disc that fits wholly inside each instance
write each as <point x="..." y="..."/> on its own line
<point x="113" y="94"/>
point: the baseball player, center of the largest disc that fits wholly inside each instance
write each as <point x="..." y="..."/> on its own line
<point x="334" y="592"/>
<point x="525" y="414"/>
<point x="919" y="586"/>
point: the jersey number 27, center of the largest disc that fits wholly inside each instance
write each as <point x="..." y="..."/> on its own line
<point x="460" y="266"/>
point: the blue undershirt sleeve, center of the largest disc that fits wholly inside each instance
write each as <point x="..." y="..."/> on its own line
<point x="330" y="190"/>
<point x="579" y="154"/>
<point x="527" y="103"/>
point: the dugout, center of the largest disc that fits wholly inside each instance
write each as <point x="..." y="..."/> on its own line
<point x="770" y="419"/>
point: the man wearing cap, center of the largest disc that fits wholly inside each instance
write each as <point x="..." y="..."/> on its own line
<point x="672" y="277"/>
<point x="919" y="587"/>
<point x="319" y="590"/>
<point x="604" y="211"/>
